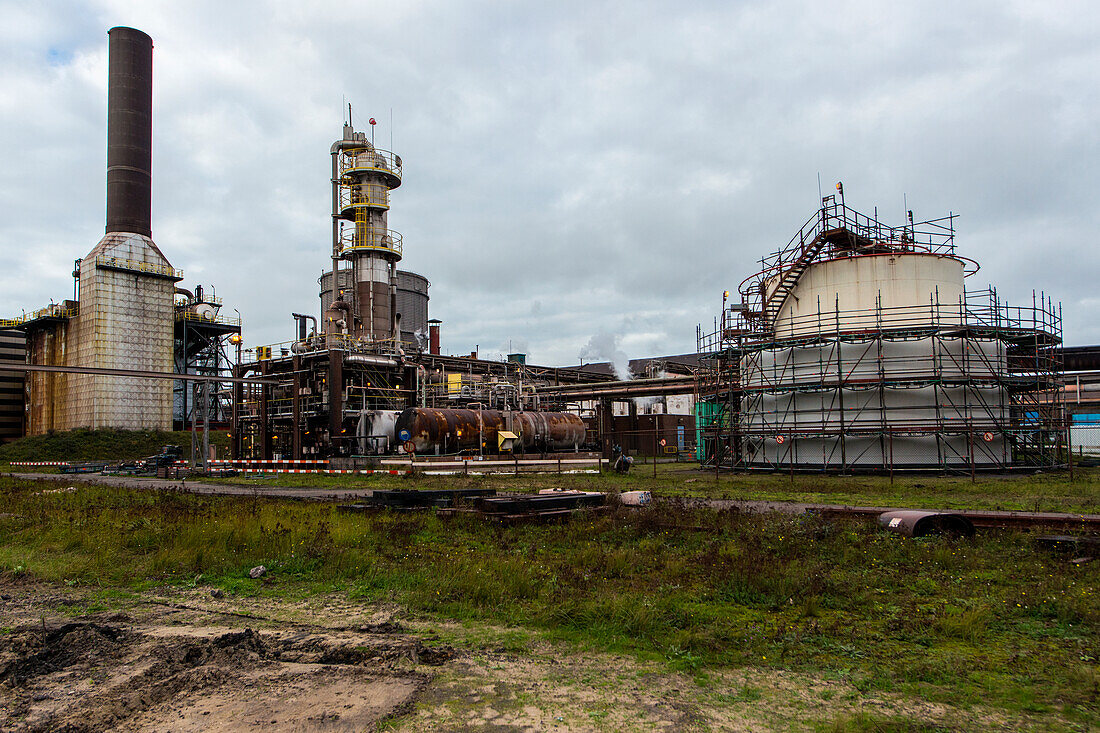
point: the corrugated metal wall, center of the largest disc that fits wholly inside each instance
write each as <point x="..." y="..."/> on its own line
<point x="412" y="300"/>
<point x="12" y="348"/>
<point x="412" y="304"/>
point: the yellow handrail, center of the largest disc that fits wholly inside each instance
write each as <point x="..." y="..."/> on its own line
<point x="192" y="316"/>
<point x="372" y="195"/>
<point x="149" y="267"/>
<point x="51" y="311"/>
<point x="360" y="238"/>
<point x="367" y="158"/>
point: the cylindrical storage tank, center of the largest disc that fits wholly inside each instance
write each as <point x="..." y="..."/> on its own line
<point x="344" y="283"/>
<point x="453" y="430"/>
<point x="374" y="296"/>
<point x="448" y="431"/>
<point x="548" y="430"/>
<point x="896" y="290"/>
<point x="412" y="304"/>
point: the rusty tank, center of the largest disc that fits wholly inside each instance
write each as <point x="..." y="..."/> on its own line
<point x="444" y="431"/>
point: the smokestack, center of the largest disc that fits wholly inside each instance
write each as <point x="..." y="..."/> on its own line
<point x="129" y="131"/>
<point x="433" y="336"/>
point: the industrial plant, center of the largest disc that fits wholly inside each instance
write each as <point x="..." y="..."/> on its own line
<point x="857" y="346"/>
<point x="124" y="314"/>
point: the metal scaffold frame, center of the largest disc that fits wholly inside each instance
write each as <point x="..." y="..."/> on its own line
<point x="201" y="346"/>
<point x="970" y="385"/>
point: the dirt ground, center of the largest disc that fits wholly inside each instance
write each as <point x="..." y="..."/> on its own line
<point x="79" y="660"/>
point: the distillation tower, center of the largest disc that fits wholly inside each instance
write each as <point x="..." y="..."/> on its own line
<point x="363" y="301"/>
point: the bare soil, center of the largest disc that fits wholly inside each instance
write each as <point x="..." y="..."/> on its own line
<point x="163" y="666"/>
<point x="73" y="659"/>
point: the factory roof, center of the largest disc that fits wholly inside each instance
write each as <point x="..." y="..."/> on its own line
<point x="675" y="364"/>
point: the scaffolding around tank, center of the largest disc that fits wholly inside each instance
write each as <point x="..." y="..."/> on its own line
<point x="857" y="347"/>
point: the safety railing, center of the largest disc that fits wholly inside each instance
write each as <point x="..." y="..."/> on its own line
<point x="359" y="238"/>
<point x="324" y="342"/>
<point x="375" y="195"/>
<point x="191" y="316"/>
<point x="116" y="263"/>
<point x="369" y="158"/>
<point x="935" y="236"/>
<point x="191" y="301"/>
<point x="50" y="311"/>
<point x="980" y="309"/>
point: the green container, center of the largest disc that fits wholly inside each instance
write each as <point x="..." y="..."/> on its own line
<point x="706" y="415"/>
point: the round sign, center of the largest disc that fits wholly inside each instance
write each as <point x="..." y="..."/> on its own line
<point x="780" y="439"/>
<point x="987" y="437"/>
<point x="404" y="435"/>
<point x="663" y="443"/>
<point x="410" y="447"/>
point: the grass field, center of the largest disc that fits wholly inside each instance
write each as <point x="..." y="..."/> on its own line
<point x="1026" y="492"/>
<point x="991" y="621"/>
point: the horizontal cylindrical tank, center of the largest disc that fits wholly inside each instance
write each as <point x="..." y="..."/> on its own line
<point x="454" y="430"/>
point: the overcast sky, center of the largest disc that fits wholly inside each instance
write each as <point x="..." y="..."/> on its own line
<point x="573" y="170"/>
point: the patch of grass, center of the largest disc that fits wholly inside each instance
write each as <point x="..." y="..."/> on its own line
<point x="864" y="723"/>
<point x="748" y="693"/>
<point x="991" y="621"/>
<point x="105" y="444"/>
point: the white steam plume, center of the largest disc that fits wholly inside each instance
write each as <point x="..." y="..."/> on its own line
<point x="604" y="346"/>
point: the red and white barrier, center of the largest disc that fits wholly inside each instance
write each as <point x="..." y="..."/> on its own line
<point x="248" y="462"/>
<point x="39" y="463"/>
<point x="320" y="470"/>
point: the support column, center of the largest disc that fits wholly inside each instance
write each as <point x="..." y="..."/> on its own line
<point x="265" y="427"/>
<point x="335" y="381"/>
<point x="238" y="398"/>
<point x="296" y="410"/>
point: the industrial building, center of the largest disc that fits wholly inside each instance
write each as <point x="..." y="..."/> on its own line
<point x="858" y="347"/>
<point x="374" y="352"/>
<point x="124" y="314"/>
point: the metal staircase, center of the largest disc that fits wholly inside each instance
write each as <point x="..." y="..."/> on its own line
<point x="833" y="231"/>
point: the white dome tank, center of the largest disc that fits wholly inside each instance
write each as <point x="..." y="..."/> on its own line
<point x="913" y="289"/>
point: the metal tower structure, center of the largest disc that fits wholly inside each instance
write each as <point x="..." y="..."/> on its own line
<point x="362" y="178"/>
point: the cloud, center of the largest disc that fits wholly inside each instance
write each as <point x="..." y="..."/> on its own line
<point x="569" y="168"/>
